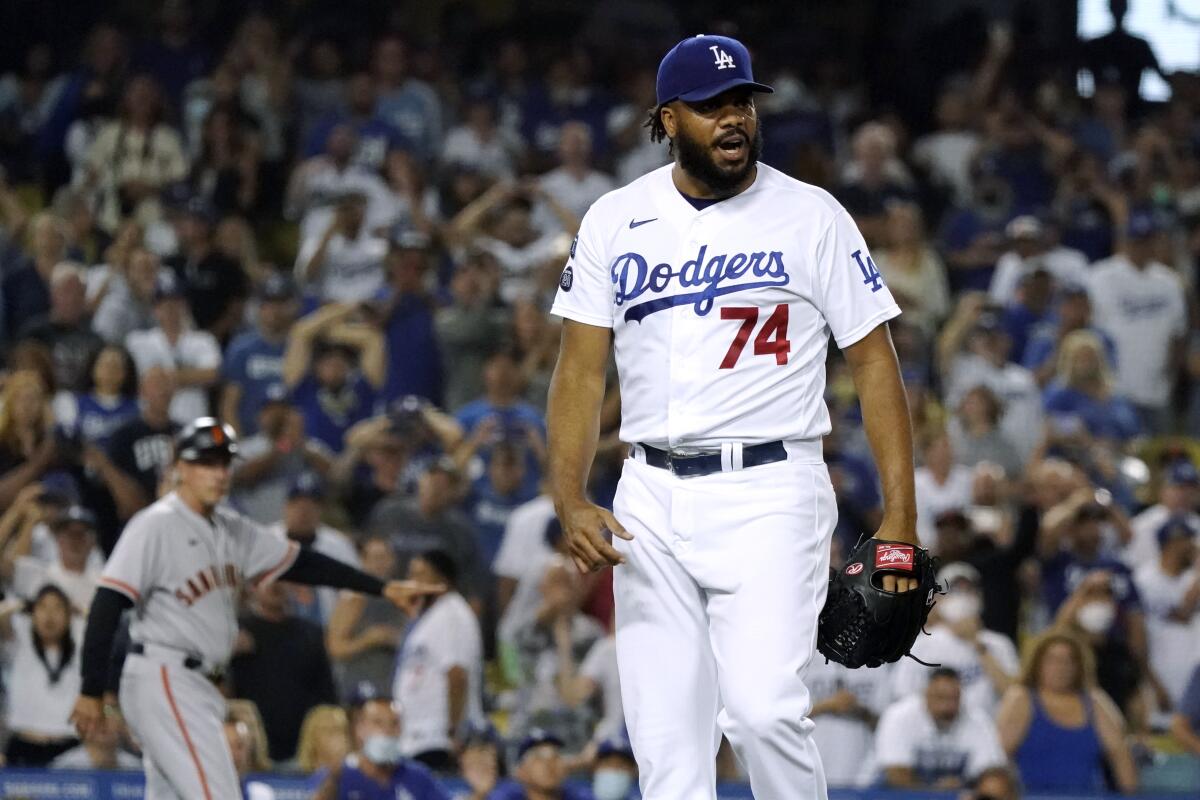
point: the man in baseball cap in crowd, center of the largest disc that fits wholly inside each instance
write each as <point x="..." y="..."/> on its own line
<point x="1178" y="496"/>
<point x="615" y="773"/>
<point x="539" y="771"/>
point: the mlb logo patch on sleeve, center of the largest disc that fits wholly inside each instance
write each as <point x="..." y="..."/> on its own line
<point x="894" y="556"/>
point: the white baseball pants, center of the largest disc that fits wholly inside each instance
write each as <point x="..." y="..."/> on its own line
<point x="178" y="717"/>
<point x="716" y="622"/>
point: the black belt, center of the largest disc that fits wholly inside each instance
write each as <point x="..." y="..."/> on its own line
<point x="753" y="455"/>
<point x="189" y="661"/>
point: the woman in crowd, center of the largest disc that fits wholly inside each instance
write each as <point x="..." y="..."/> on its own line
<point x="363" y="636"/>
<point x="108" y="401"/>
<point x="1061" y="729"/>
<point x="1083" y="388"/>
<point x="913" y="270"/>
<point x="44" y="641"/>
<point x="975" y="432"/>
<point x="27" y="444"/>
<point x="324" y="739"/>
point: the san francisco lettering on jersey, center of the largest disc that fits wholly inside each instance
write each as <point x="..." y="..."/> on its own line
<point x="633" y="277"/>
<point x="207" y="579"/>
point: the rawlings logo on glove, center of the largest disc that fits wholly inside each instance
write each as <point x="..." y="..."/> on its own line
<point x="864" y="625"/>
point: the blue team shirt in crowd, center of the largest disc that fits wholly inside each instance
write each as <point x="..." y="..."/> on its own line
<point x="962" y="228"/>
<point x="514" y="422"/>
<point x="1064" y="571"/>
<point x="1043" y="343"/>
<point x="96" y="421"/>
<point x="1108" y="418"/>
<point x="376" y="136"/>
<point x="490" y="511"/>
<point x="255" y="364"/>
<point x="414" y="359"/>
<point x="329" y="414"/>
<point x="410" y="781"/>
<point x="508" y="789"/>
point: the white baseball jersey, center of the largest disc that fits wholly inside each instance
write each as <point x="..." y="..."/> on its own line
<point x="183" y="574"/>
<point x="721" y="316"/>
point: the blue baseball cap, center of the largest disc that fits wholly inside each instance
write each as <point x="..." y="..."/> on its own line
<point x="535" y="738"/>
<point x="307" y="484"/>
<point x="1142" y="223"/>
<point x="615" y="746"/>
<point x="1182" y="472"/>
<point x="1176" y="527"/>
<point x="477" y="731"/>
<point x="703" y="66"/>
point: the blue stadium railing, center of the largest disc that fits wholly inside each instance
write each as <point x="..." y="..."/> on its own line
<point x="29" y="784"/>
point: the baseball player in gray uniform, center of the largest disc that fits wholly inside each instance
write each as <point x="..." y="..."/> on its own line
<point x="181" y="564"/>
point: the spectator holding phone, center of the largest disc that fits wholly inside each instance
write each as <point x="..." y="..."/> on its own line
<point x="344" y="264"/>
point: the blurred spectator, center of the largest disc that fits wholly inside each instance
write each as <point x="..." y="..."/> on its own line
<point x="73" y="571"/>
<point x="480" y="760"/>
<point x="946" y="152"/>
<point x="1033" y="251"/>
<point x="1185" y="724"/>
<point x="615" y="773"/>
<point x="480" y="143"/>
<point x="409" y="202"/>
<point x="439" y="667"/>
<point x="28" y="443"/>
<point x="64" y="329"/>
<point x="1170" y="591"/>
<point x="133" y="158"/>
<point x="986" y="661"/>
<point x="225" y="173"/>
<point x="1121" y="52"/>
<point x="26" y="286"/>
<point x="410" y="105"/>
<point x="934" y="741"/>
<point x="173" y="56"/>
<point x="344" y="263"/>
<point x="280" y="664"/>
<point x="128" y="302"/>
<point x="319" y="88"/>
<point x="535" y="338"/>
<point x="596" y="682"/>
<point x="363" y="631"/>
<point x="254" y="732"/>
<point x="319" y="368"/>
<point x="1178" y="497"/>
<point x="975" y="434"/>
<point x="107" y="398"/>
<point x="873" y="177"/>
<point x="496" y="495"/>
<point x="973" y="233"/>
<point x="574" y="184"/>
<point x="563" y="94"/>
<point x="28" y="95"/>
<point x="216" y="286"/>
<point x="432" y="521"/>
<point x="376" y="770"/>
<point x="912" y="268"/>
<point x="637" y="154"/>
<point x="941" y="485"/>
<point x="468" y="327"/>
<point x="1139" y="302"/>
<point x="378" y="460"/>
<point x="406" y="311"/>
<point x="324" y="739"/>
<point x="524" y="548"/>
<point x="193" y="356"/>
<point x="846" y="708"/>
<point x="558" y="635"/>
<point x="1059" y="728"/>
<point x="302" y="524"/>
<point x="143" y="449"/>
<point x="240" y="738"/>
<point x="500" y="415"/>
<point x="1083" y="392"/>
<point x="973" y="350"/>
<point x="100" y="749"/>
<point x="501" y="222"/>
<point x="374" y="135"/>
<point x="319" y="183"/>
<point x="271" y="462"/>
<point x="44" y="639"/>
<point x="253" y="362"/>
<point x="540" y="771"/>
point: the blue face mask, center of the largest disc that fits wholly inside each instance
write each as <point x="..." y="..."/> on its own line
<point x="611" y="784"/>
<point x="380" y="749"/>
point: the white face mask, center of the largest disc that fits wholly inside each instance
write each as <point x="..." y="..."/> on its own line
<point x="1096" y="617"/>
<point x="611" y="784"/>
<point x="958" y="606"/>
<point x="381" y="749"/>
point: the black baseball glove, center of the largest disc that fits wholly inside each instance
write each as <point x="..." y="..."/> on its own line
<point x="863" y="625"/>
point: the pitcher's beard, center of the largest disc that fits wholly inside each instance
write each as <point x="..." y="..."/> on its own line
<point x="697" y="160"/>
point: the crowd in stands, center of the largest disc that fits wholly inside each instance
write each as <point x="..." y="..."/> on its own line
<point x="342" y="236"/>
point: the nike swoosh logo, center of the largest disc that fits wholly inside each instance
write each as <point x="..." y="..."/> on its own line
<point x="635" y="223"/>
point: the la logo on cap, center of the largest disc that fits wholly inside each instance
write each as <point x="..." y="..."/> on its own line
<point x="723" y="59"/>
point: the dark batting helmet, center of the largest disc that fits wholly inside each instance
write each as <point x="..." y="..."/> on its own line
<point x="205" y="437"/>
